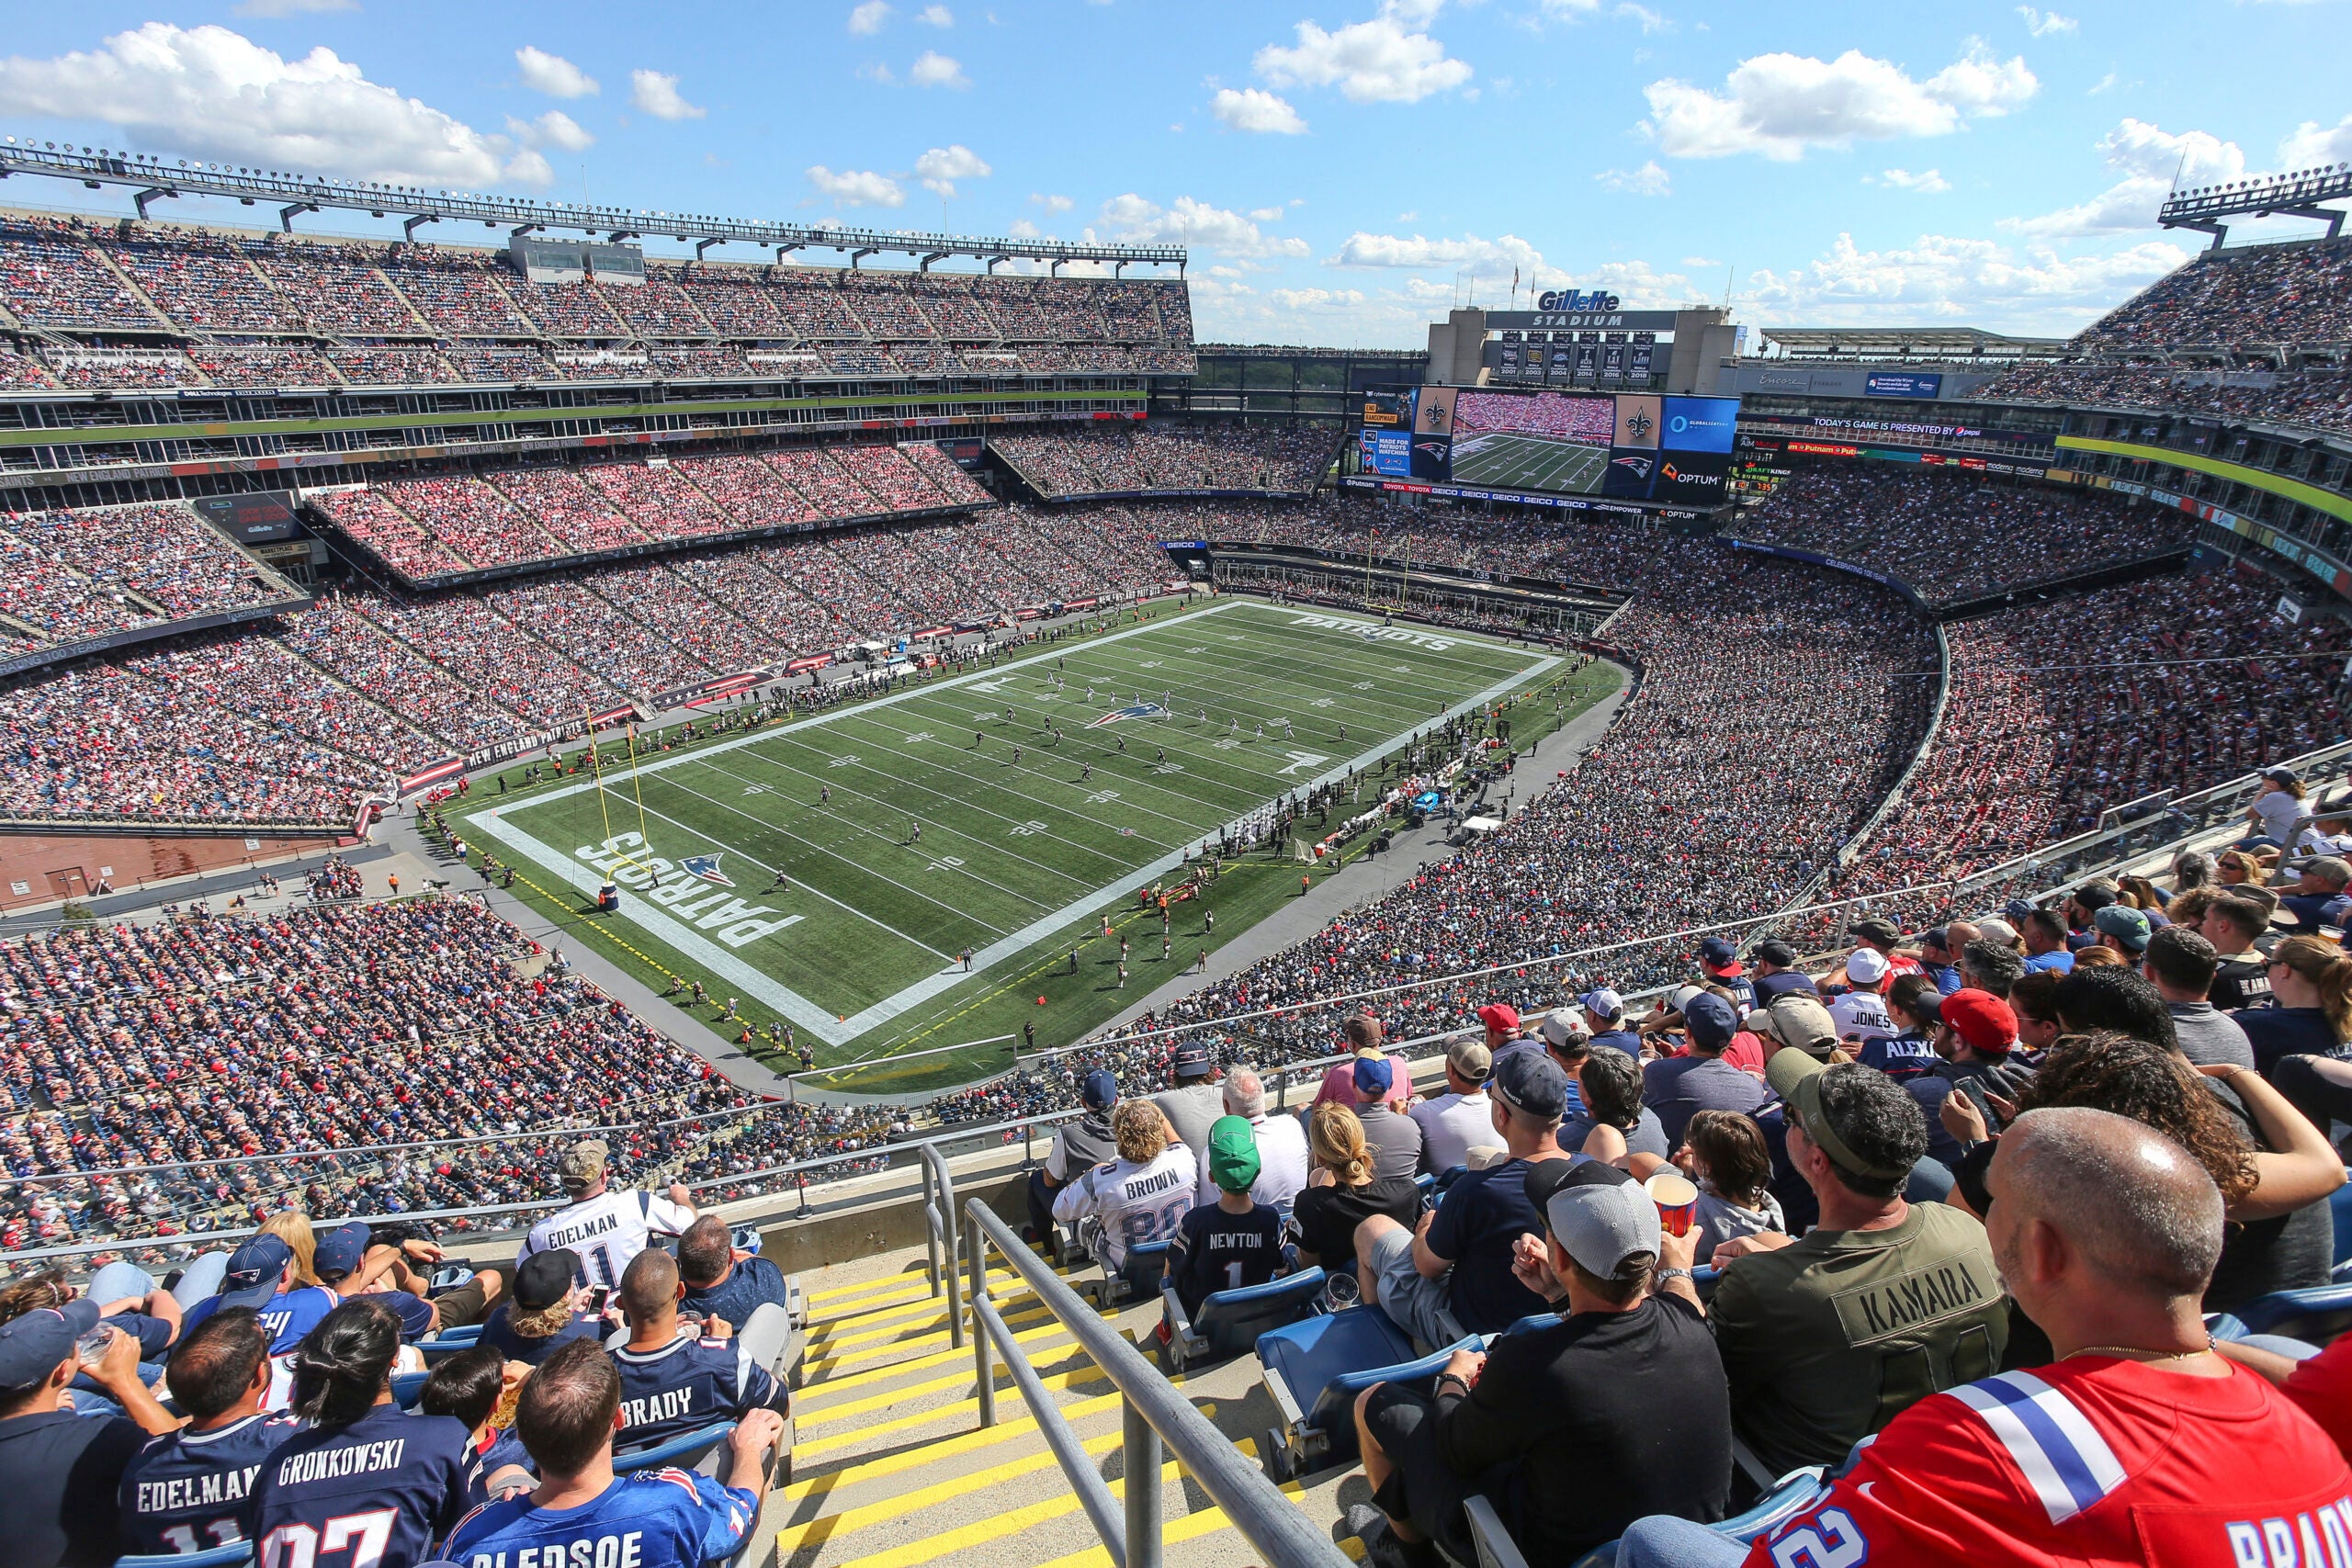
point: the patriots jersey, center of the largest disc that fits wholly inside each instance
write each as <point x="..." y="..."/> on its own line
<point x="186" y="1491"/>
<point x="654" y="1518"/>
<point x="688" y="1384"/>
<point x="288" y="1315"/>
<point x="506" y="1450"/>
<point x="606" y="1231"/>
<point x="376" y="1494"/>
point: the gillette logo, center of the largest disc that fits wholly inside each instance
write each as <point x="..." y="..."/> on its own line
<point x="1675" y="475"/>
<point x="1570" y="300"/>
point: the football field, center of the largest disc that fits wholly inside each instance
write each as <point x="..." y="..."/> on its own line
<point x="951" y="818"/>
<point x="1529" y="462"/>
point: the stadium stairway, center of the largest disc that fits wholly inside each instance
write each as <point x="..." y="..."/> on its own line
<point x="891" y="1468"/>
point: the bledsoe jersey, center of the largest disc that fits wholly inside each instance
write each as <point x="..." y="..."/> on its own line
<point x="687" y="1385"/>
<point x="653" y="1519"/>
<point x="375" y="1493"/>
<point x="186" y="1491"/>
<point x="1136" y="1203"/>
<point x="606" y="1231"/>
<point x="2089" y="1460"/>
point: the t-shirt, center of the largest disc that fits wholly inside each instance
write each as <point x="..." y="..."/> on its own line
<point x="1863" y="1014"/>
<point x="2057" y="961"/>
<point x="2091" y="1460"/>
<point x="498" y="1333"/>
<point x="1327" y="1217"/>
<point x="186" y="1491"/>
<point x="1079" y="1147"/>
<point x="2322" y="1387"/>
<point x="1829" y="1338"/>
<point x="1136" y="1203"/>
<point x="288" y="1315"/>
<point x="2241" y="980"/>
<point x="2289" y="1252"/>
<point x="382" y="1489"/>
<point x="59" y="1473"/>
<point x="650" y="1518"/>
<point x="1216" y="1251"/>
<point x="1603" y="1418"/>
<point x="1624" y="1040"/>
<point x="1451" y="1125"/>
<point x="2208" y="1036"/>
<point x="751" y="1283"/>
<point x="608" y="1231"/>
<point x="1678" y="1088"/>
<point x="2317" y="909"/>
<point x="687" y="1385"/>
<point x="1394" y="1140"/>
<point x="415" y="1313"/>
<point x="1480" y="1218"/>
<point x="505" y="1452"/>
<point x="1784" y="982"/>
<point x="1281" y="1165"/>
<point x="1648" y="1136"/>
<point x="2277" y="1032"/>
<point x="1192" y="1109"/>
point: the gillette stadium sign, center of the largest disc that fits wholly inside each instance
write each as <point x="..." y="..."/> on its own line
<point x="1570" y="300"/>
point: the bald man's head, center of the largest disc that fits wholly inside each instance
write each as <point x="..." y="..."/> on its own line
<point x="2138" y="1210"/>
<point x="649" y="1285"/>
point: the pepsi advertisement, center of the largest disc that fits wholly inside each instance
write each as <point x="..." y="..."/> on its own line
<point x="1388" y="452"/>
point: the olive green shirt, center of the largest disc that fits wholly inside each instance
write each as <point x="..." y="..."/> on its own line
<point x="1827" y="1339"/>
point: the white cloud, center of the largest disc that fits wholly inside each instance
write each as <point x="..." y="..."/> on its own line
<point x="1939" y="276"/>
<point x="1927" y="181"/>
<point x="1568" y="10"/>
<point x="936" y="17"/>
<point x="933" y="69"/>
<point x="2101" y="85"/>
<point x="869" y="17"/>
<point x="1190" y="222"/>
<point x="877" y="71"/>
<point x="1488" y="258"/>
<point x="2042" y="24"/>
<point x="1650" y="20"/>
<point x="2148" y="157"/>
<point x="942" y="166"/>
<point x="1312" y="299"/>
<point x="1254" y="108"/>
<point x="1267" y="214"/>
<point x="273" y="8"/>
<point x="553" y="129"/>
<point x="1382" y="60"/>
<point x="1780" y="105"/>
<point x="1052" y="203"/>
<point x="1022" y="228"/>
<point x="211" y="92"/>
<point x="858" y="187"/>
<point x="553" y="74"/>
<point x="2314" y="143"/>
<point x="657" y="96"/>
<point x="1650" y="179"/>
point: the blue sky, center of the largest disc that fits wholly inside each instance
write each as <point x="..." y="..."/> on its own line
<point x="1344" y="172"/>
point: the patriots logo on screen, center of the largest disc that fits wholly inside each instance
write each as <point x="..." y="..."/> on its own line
<point x="706" y="867"/>
<point x="1636" y="465"/>
<point x="1136" y="710"/>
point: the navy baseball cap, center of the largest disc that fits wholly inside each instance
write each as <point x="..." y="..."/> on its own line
<point x="1773" y="950"/>
<point x="2018" y="910"/>
<point x="255" y="1270"/>
<point x="1721" y="957"/>
<point x="340" y="1251"/>
<point x="1100" y="1089"/>
<point x="1710" y="1022"/>
<point x="1192" y="1062"/>
<point x="1530" y="1081"/>
<point x="32" y="1345"/>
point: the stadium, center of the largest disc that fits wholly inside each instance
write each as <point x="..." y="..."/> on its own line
<point x="921" y="758"/>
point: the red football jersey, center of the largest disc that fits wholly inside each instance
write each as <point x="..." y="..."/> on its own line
<point x="2094" y="1460"/>
<point x="2322" y="1387"/>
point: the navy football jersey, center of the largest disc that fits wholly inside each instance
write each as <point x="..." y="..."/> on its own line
<point x="654" y="1518"/>
<point x="506" y="1450"/>
<point x="376" y="1494"/>
<point x="186" y="1491"/>
<point x="688" y="1384"/>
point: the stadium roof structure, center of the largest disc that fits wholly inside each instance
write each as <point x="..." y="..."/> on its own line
<point x="2295" y="195"/>
<point x="292" y="194"/>
<point x="1910" y="343"/>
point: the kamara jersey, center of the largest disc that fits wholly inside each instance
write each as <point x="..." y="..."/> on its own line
<point x="654" y="1518"/>
<point x="2092" y="1460"/>
<point x="1136" y="1203"/>
<point x="687" y="1385"/>
<point x="186" y="1491"/>
<point x="376" y="1494"/>
<point x="606" y="1231"/>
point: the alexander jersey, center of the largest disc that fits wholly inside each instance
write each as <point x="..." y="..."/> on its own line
<point x="2090" y="1461"/>
<point x="376" y="1494"/>
<point x="1136" y="1203"/>
<point x="688" y="1384"/>
<point x="606" y="1231"/>
<point x="186" y="1491"/>
<point x="654" y="1518"/>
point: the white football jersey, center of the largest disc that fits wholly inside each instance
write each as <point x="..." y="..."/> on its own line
<point x="1136" y="1203"/>
<point x="606" y="1231"/>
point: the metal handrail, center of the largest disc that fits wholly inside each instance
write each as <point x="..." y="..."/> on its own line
<point x="940" y="1239"/>
<point x="1151" y="1412"/>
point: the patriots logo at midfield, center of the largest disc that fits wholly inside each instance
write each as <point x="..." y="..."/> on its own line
<point x="706" y="867"/>
<point x="1136" y="710"/>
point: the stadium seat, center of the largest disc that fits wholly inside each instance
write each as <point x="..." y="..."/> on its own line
<point x="2339" y="1208"/>
<point x="2314" y="1315"/>
<point x="233" y="1555"/>
<point x="1139" y="1278"/>
<point x="1314" y="1369"/>
<point x="408" y="1388"/>
<point x="1229" y="1322"/>
<point x="448" y="1342"/>
<point x="685" y="1451"/>
<point x="1791" y="1495"/>
<point x="1496" y="1548"/>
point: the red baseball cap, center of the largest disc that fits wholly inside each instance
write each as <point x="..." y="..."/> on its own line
<point x="1499" y="1016"/>
<point x="1982" y="1019"/>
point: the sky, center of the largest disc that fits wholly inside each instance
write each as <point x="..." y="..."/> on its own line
<point x="1342" y="171"/>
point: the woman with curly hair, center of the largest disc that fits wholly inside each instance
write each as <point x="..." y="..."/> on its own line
<point x="1142" y="1196"/>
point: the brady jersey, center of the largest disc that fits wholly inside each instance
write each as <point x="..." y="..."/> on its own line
<point x="1136" y="1203"/>
<point x="2089" y="1460"/>
<point x="606" y="1231"/>
<point x="685" y="1385"/>
<point x="653" y="1519"/>
<point x="186" y="1491"/>
<point x="376" y="1494"/>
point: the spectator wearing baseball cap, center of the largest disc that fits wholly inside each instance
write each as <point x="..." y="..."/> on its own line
<point x="1774" y="972"/>
<point x="61" y="1470"/>
<point x="1719" y="961"/>
<point x="1235" y="1241"/>
<point x="1194" y="1102"/>
<point x="1571" y="1431"/>
<point x="1975" y="1041"/>
<point x="1393" y="1138"/>
<point x="1940" y="959"/>
<point x="542" y="1312"/>
<point x="1884" y="937"/>
<point x="2125" y="929"/>
<point x="1459" y="1120"/>
<point x="1363" y="1034"/>
<point x="1605" y="1010"/>
<point x="1858" y="1013"/>
<point x="1452" y="1274"/>
<point x="2319" y="897"/>
<point x="1678" y="1088"/>
<point x="260" y="1275"/>
<point x="348" y="1266"/>
<point x="1077" y="1148"/>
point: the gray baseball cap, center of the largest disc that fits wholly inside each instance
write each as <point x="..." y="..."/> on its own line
<point x="1599" y="1214"/>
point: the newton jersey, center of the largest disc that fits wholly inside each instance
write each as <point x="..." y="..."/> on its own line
<point x="688" y="1384"/>
<point x="1136" y="1203"/>
<point x="608" y="1231"/>
<point x="655" y="1518"/>
<point x="376" y="1494"/>
<point x="186" y="1491"/>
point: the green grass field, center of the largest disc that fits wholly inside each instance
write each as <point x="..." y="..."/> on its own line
<point x="1529" y="462"/>
<point x="1027" y="843"/>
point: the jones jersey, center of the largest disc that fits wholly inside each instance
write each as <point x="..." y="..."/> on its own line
<point x="375" y="1493"/>
<point x="2089" y="1460"/>
<point x="685" y="1385"/>
<point x="186" y="1491"/>
<point x="1136" y="1203"/>
<point x="654" y="1518"/>
<point x="606" y="1231"/>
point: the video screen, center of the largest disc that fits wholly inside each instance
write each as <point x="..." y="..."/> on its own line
<point x="1547" y="441"/>
<point x="1627" y="446"/>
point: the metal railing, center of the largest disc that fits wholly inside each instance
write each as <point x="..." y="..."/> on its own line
<point x="941" y="1243"/>
<point x="1152" y="1414"/>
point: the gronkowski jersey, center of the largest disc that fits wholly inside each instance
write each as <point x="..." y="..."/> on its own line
<point x="376" y="1494"/>
<point x="186" y="1491"/>
<point x="2091" y="1460"/>
<point x="687" y="1385"/>
<point x="1136" y="1203"/>
<point x="606" y="1231"/>
<point x="654" y="1518"/>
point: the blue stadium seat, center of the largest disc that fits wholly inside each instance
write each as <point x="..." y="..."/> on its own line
<point x="683" y="1451"/>
<point x="234" y="1555"/>
<point x="1138" y="1279"/>
<point x="1230" y="1321"/>
<point x="1446" y="1179"/>
<point x="448" y="1342"/>
<point x="1314" y="1369"/>
<point x="1792" y="1496"/>
<point x="2339" y="1208"/>
<point x="2315" y="1315"/>
<point x="408" y="1388"/>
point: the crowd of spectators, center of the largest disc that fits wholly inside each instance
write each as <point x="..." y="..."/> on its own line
<point x="89" y="572"/>
<point x="2272" y="294"/>
<point x="1122" y="459"/>
<point x="2315" y="395"/>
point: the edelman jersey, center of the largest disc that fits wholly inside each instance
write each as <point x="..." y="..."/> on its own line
<point x="2089" y="1460"/>
<point x="687" y="1385"/>
<point x="606" y="1231"/>
<point x="376" y="1494"/>
<point x="186" y="1491"/>
<point x="654" y="1518"/>
<point x="1136" y="1203"/>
